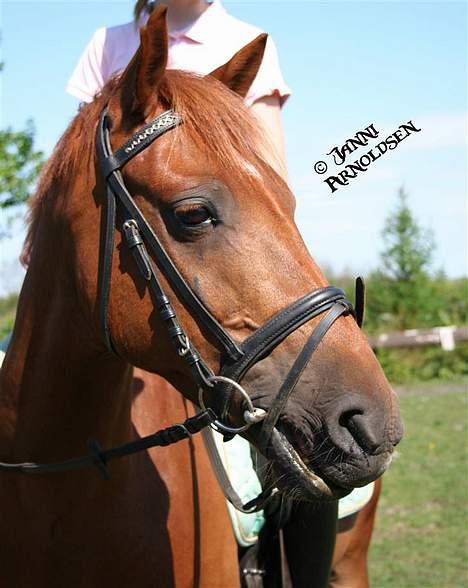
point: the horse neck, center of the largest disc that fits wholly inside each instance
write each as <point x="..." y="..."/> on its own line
<point x="57" y="387"/>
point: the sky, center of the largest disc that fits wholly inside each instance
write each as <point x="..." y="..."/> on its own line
<point x="349" y="64"/>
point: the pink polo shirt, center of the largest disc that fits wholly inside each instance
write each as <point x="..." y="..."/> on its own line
<point x="202" y="47"/>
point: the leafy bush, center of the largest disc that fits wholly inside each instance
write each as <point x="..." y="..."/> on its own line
<point x="421" y="364"/>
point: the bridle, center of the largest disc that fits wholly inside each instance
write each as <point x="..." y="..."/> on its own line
<point x="236" y="358"/>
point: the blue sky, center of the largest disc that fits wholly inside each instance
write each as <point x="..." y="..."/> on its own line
<point x="349" y="64"/>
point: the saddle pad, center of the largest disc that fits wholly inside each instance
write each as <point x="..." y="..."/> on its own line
<point x="353" y="503"/>
<point x="238" y="464"/>
<point x="237" y="459"/>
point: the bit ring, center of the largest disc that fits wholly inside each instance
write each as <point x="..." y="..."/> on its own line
<point x="251" y="416"/>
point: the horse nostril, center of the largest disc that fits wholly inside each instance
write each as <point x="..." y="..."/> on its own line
<point x="345" y="417"/>
<point x="362" y="431"/>
<point x="358" y="423"/>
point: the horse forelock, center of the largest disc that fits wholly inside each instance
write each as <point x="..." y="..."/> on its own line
<point x="215" y="119"/>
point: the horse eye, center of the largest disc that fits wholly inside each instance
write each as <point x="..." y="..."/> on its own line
<point x="193" y="215"/>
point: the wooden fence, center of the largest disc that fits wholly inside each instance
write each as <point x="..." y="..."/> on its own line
<point x="446" y="337"/>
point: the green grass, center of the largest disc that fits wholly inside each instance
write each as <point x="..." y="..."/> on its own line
<point x="420" y="539"/>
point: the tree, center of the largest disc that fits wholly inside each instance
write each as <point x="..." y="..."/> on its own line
<point x="20" y="165"/>
<point x="402" y="289"/>
<point x="408" y="248"/>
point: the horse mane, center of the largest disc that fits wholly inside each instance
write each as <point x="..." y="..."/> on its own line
<point x="202" y="102"/>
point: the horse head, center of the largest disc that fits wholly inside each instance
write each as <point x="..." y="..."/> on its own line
<point x="207" y="255"/>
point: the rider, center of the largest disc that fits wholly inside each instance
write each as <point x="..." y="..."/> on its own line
<point x="202" y="36"/>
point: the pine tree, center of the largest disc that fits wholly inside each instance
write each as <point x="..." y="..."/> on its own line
<point x="408" y="248"/>
<point x="402" y="288"/>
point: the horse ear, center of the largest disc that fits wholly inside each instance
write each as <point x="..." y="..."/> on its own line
<point x="145" y="71"/>
<point x="240" y="71"/>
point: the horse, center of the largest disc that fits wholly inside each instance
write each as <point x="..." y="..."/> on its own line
<point x="161" y="238"/>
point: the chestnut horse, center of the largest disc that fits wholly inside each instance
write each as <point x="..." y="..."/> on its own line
<point x="225" y="219"/>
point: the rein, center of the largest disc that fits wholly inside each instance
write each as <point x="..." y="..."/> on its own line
<point x="236" y="358"/>
<point x="99" y="457"/>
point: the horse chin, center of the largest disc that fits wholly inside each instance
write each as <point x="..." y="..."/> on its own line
<point x="292" y="476"/>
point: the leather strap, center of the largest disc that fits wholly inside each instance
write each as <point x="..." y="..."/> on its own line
<point x="359" y="301"/>
<point x="141" y="140"/>
<point x="223" y="479"/>
<point x="262" y="342"/>
<point x="297" y="369"/>
<point x="282" y="324"/>
<point x="111" y="163"/>
<point x="100" y="457"/>
<point x="162" y="303"/>
<point x="106" y="254"/>
<point x="172" y="274"/>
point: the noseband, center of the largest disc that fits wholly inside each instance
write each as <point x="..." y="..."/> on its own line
<point x="236" y="358"/>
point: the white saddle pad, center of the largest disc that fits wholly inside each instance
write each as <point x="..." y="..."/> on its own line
<point x="237" y="461"/>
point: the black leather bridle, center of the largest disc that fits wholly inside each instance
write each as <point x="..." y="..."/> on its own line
<point x="236" y="358"/>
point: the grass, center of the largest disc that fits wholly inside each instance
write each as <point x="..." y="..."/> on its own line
<point x="420" y="539"/>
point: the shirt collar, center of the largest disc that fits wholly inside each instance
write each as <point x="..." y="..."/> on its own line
<point x="206" y="24"/>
